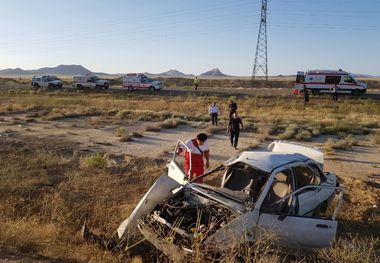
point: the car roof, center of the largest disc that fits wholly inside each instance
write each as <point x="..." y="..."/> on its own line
<point x="268" y="161"/>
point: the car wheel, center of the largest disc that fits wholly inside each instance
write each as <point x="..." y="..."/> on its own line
<point x="79" y="86"/>
<point x="36" y="86"/>
<point x="355" y="92"/>
<point x="130" y="88"/>
<point x="50" y="86"/>
<point x="152" y="88"/>
<point x="315" y="92"/>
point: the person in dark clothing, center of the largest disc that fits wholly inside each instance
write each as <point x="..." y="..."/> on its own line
<point x="232" y="107"/>
<point x="234" y="129"/>
<point x="334" y="91"/>
<point x="305" y="96"/>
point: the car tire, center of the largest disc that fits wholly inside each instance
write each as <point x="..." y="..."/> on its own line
<point x="130" y="88"/>
<point x="152" y="88"/>
<point x="315" y="92"/>
<point x="355" y="92"/>
<point x="36" y="86"/>
<point x="79" y="86"/>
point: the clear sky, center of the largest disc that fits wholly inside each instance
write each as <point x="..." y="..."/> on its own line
<point x="193" y="36"/>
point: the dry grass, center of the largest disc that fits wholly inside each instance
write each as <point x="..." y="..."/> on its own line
<point x="95" y="161"/>
<point x="46" y="196"/>
<point x="345" y="143"/>
<point x="214" y="129"/>
<point x="375" y="137"/>
<point x="46" y="189"/>
<point x="352" y="250"/>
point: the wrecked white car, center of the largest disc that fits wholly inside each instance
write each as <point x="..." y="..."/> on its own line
<point x="283" y="190"/>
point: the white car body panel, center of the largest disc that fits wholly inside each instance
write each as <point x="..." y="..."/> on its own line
<point x="300" y="232"/>
<point x="291" y="147"/>
<point x="238" y="231"/>
<point x="157" y="194"/>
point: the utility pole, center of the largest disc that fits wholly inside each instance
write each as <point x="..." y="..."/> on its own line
<point x="261" y="59"/>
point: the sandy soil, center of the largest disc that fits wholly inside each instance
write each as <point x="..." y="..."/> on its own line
<point x="101" y="137"/>
<point x="97" y="134"/>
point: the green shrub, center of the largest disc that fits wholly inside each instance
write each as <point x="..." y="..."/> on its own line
<point x="95" y="161"/>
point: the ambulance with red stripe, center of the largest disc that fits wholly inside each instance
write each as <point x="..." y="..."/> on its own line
<point x="132" y="81"/>
<point x="324" y="81"/>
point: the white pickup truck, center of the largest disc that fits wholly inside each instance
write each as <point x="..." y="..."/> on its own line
<point x="46" y="82"/>
<point x="88" y="81"/>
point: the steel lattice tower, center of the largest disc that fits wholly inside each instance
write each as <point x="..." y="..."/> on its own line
<point x="261" y="59"/>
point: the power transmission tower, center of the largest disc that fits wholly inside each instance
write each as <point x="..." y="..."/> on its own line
<point x="261" y="59"/>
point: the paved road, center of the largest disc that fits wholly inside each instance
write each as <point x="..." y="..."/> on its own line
<point x="222" y="92"/>
<point x="218" y="92"/>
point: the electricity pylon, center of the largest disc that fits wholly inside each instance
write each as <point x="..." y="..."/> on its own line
<point x="261" y="58"/>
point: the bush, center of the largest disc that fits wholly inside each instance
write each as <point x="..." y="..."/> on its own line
<point x="120" y="132"/>
<point x="95" y="161"/>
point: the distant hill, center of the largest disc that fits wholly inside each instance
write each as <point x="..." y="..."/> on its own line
<point x="59" y="70"/>
<point x="172" y="73"/>
<point x="213" y="73"/>
<point x="363" y="75"/>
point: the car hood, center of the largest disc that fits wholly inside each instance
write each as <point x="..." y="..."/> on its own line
<point x="56" y="82"/>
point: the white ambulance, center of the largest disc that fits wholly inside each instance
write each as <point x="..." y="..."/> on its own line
<point x="324" y="81"/>
<point x="87" y="81"/>
<point x="133" y="81"/>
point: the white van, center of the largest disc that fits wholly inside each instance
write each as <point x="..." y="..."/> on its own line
<point x="133" y="81"/>
<point x="323" y="81"/>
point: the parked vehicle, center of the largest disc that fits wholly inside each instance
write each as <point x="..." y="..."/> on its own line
<point x="133" y="81"/>
<point x="46" y="82"/>
<point x="283" y="190"/>
<point x="323" y="81"/>
<point x="88" y="81"/>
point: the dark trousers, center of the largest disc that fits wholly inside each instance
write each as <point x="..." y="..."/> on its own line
<point x="335" y="96"/>
<point x="232" y="112"/>
<point x="234" y="137"/>
<point x="214" y="118"/>
<point x="196" y="86"/>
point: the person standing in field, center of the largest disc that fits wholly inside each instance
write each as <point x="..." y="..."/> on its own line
<point x="214" y="111"/>
<point x="196" y="82"/>
<point x="305" y="96"/>
<point x="199" y="149"/>
<point x="234" y="129"/>
<point x="232" y="107"/>
<point x="334" y="91"/>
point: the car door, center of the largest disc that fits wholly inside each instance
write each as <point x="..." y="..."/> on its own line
<point x="299" y="232"/>
<point x="310" y="198"/>
<point x="291" y="229"/>
<point x="174" y="166"/>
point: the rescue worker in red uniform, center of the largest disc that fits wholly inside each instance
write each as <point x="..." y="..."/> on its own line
<point x="198" y="149"/>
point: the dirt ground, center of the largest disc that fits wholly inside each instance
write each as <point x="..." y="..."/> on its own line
<point x="97" y="135"/>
